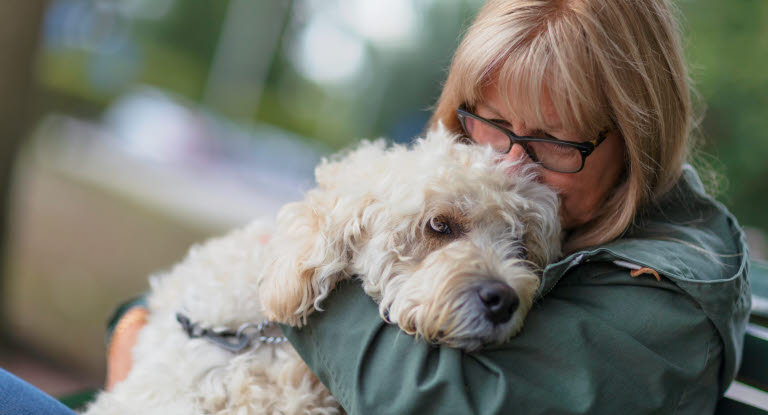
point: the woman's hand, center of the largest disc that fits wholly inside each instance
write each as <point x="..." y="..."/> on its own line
<point x="120" y="351"/>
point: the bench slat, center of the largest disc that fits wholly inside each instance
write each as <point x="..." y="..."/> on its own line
<point x="754" y="367"/>
<point x="758" y="279"/>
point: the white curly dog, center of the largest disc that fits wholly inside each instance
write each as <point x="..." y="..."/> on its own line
<point x="442" y="235"/>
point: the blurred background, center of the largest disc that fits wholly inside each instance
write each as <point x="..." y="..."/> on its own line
<point x="132" y="129"/>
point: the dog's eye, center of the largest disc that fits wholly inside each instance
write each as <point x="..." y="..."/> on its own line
<point x="439" y="225"/>
<point x="465" y="140"/>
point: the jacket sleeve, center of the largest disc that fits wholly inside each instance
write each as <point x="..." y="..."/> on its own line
<point x="606" y="343"/>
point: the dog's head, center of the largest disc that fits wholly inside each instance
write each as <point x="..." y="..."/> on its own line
<point x="444" y="237"/>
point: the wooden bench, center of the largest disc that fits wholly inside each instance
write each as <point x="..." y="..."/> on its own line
<point x="749" y="393"/>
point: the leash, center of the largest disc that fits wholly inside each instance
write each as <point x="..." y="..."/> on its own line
<point x="233" y="341"/>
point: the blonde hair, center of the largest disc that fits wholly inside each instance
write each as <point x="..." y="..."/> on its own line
<point x="602" y="62"/>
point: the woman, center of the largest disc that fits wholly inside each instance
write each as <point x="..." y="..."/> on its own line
<point x="19" y="397"/>
<point x="646" y="312"/>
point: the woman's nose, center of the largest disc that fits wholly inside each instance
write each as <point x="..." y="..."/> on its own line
<point x="517" y="153"/>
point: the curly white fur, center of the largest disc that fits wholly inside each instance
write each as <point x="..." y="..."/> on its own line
<point x="369" y="217"/>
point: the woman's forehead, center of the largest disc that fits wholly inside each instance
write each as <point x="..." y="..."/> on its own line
<point x="535" y="104"/>
<point x="511" y="106"/>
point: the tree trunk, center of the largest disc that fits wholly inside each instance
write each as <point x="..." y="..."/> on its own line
<point x="20" y="25"/>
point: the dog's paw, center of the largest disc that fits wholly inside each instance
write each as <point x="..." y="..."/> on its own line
<point x="297" y="320"/>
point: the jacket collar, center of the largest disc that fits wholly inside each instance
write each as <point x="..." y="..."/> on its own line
<point x="694" y="241"/>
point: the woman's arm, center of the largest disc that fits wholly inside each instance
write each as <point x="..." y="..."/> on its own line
<point x="122" y="333"/>
<point x="607" y="343"/>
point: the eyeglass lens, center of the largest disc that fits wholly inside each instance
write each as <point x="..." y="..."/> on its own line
<point x="554" y="156"/>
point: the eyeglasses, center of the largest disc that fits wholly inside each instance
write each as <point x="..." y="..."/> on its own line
<point x="552" y="154"/>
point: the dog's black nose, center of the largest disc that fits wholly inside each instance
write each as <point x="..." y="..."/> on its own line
<point x="499" y="299"/>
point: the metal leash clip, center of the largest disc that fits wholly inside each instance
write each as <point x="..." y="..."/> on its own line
<point x="233" y="341"/>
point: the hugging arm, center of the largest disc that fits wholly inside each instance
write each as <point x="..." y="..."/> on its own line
<point x="604" y="344"/>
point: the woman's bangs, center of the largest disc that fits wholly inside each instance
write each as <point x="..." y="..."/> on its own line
<point x="541" y="74"/>
<point x="477" y="74"/>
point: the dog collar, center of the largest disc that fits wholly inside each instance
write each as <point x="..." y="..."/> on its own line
<point x="231" y="340"/>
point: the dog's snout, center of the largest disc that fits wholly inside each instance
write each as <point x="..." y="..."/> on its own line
<point x="499" y="300"/>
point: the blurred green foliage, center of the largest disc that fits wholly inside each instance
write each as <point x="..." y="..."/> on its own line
<point x="726" y="42"/>
<point x="727" y="47"/>
<point x="174" y="52"/>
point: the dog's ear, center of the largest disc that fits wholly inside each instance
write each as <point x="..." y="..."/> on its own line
<point x="542" y="236"/>
<point x="301" y="263"/>
<point x="538" y="208"/>
<point x="313" y="244"/>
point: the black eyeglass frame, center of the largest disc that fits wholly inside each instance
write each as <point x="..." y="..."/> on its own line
<point x="585" y="148"/>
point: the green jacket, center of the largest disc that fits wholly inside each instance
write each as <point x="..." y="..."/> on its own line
<point x="597" y="341"/>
